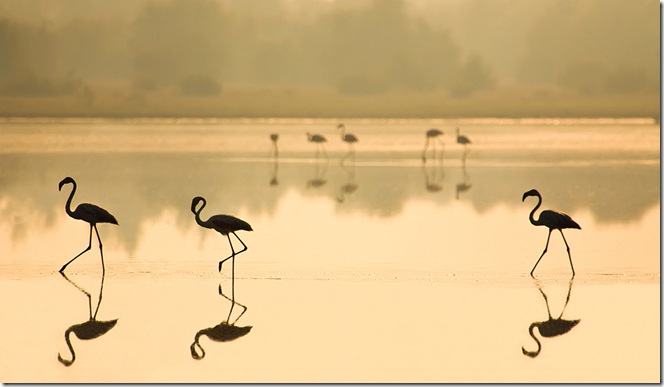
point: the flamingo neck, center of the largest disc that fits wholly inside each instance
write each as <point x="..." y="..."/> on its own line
<point x="71" y="350"/>
<point x="197" y="215"/>
<point x="531" y="330"/>
<point x="532" y="213"/>
<point x="69" y="200"/>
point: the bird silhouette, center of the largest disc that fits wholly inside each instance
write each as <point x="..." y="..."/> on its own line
<point x="432" y="136"/>
<point x="223" y="224"/>
<point x="551" y="327"/>
<point x="554" y="220"/>
<point x="320" y="140"/>
<point x="222" y="332"/>
<point x="88" y="330"/>
<point x="348" y="138"/>
<point x="89" y="213"/>
<point x="463" y="140"/>
<point x="275" y="150"/>
<point x="433" y="177"/>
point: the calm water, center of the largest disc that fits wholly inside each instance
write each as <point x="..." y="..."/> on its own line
<point x="380" y="268"/>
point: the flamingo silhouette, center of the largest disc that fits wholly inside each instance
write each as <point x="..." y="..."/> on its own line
<point x="432" y="135"/>
<point x="88" y="330"/>
<point x="320" y="140"/>
<point x="463" y="140"/>
<point x="89" y="213"/>
<point x="223" y="224"/>
<point x="222" y="332"/>
<point x="554" y="220"/>
<point x="551" y="327"/>
<point x="348" y="138"/>
<point x="275" y="150"/>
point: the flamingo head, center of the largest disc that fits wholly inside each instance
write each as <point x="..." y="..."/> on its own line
<point x="194" y="203"/>
<point x="64" y="181"/>
<point x="532" y="192"/>
<point x="341" y="126"/>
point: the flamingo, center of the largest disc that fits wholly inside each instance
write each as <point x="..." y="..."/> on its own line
<point x="318" y="139"/>
<point x="551" y="327"/>
<point x="274" y="137"/>
<point x="348" y="138"/>
<point x="89" y="213"/>
<point x="554" y="220"/>
<point x="88" y="330"/>
<point x="463" y="140"/>
<point x="432" y="135"/>
<point x="223" y="224"/>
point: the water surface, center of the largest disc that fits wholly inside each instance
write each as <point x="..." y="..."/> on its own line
<point x="380" y="268"/>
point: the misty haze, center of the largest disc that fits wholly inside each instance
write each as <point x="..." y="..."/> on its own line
<point x="363" y="58"/>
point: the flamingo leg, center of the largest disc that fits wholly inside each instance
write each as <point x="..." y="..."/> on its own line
<point x="543" y="252"/>
<point x="62" y="269"/>
<point x="101" y="250"/>
<point x="568" y="253"/>
<point x="244" y="247"/>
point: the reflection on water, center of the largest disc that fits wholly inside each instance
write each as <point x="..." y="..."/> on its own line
<point x="464" y="185"/>
<point x="224" y="331"/>
<point x="551" y="327"/>
<point x="327" y="250"/>
<point x="350" y="186"/>
<point x="433" y="175"/>
<point x="87" y="330"/>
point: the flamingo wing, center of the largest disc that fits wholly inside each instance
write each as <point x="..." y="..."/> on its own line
<point x="93" y="214"/>
<point x="227" y="223"/>
<point x="557" y="220"/>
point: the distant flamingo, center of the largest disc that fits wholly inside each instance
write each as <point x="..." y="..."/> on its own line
<point x="275" y="150"/>
<point x="88" y="213"/>
<point x="463" y="140"/>
<point x="223" y="224"/>
<point x="432" y="135"/>
<point x="551" y="327"/>
<point x="348" y="138"/>
<point x="554" y="220"/>
<point x="318" y="139"/>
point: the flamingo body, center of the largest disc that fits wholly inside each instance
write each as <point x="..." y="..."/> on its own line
<point x="461" y="139"/>
<point x="433" y="133"/>
<point x="317" y="138"/>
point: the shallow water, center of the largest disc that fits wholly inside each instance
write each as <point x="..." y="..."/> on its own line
<point x="372" y="268"/>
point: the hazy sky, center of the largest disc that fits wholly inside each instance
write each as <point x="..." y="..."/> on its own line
<point x="157" y="51"/>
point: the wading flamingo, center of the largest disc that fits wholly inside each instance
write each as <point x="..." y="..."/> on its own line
<point x="88" y="213"/>
<point x="554" y="220"/>
<point x="432" y="135"/>
<point x="320" y="140"/>
<point x="275" y="150"/>
<point x="223" y="224"/>
<point x="463" y="140"/>
<point x="348" y="138"/>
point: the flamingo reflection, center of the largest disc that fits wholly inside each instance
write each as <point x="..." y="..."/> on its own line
<point x="464" y="185"/>
<point x="87" y="330"/>
<point x="318" y="180"/>
<point x="222" y="332"/>
<point x="433" y="176"/>
<point x="553" y="326"/>
<point x="350" y="185"/>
